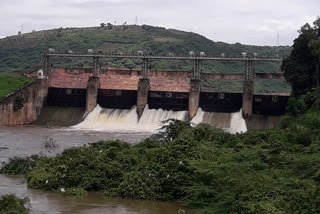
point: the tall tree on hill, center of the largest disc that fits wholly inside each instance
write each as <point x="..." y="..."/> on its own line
<point x="315" y="48"/>
<point x="302" y="66"/>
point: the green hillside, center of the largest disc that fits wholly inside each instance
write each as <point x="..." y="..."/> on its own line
<point x="23" y="52"/>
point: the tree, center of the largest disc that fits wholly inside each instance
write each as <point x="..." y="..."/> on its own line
<point x="102" y="24"/>
<point x="109" y="25"/>
<point x="300" y="68"/>
<point x="315" y="48"/>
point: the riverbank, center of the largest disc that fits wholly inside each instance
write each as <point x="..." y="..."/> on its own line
<point x="52" y="202"/>
<point x="270" y="171"/>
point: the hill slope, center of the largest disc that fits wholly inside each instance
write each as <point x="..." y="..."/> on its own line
<point x="24" y="51"/>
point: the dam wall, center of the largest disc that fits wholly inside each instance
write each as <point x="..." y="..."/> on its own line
<point x="124" y="89"/>
<point x="24" y="105"/>
<point x="160" y="89"/>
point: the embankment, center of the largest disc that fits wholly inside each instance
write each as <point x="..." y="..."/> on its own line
<point x="24" y="105"/>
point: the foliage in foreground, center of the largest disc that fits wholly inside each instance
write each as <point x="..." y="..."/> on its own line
<point x="10" y="204"/>
<point x="272" y="171"/>
<point x="18" y="165"/>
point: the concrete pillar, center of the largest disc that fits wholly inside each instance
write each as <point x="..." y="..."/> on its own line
<point x="46" y="66"/>
<point x="142" y="95"/>
<point x="194" y="97"/>
<point x="92" y="93"/>
<point x="247" y="98"/>
<point x="96" y="67"/>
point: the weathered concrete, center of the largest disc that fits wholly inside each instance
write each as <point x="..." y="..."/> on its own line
<point x="92" y="93"/>
<point x="262" y="122"/>
<point x="70" y="78"/>
<point x="142" y="96"/>
<point x="169" y="81"/>
<point x="120" y="79"/>
<point x="194" y="97"/>
<point x="60" y="116"/>
<point x="247" y="98"/>
<point x="24" y="106"/>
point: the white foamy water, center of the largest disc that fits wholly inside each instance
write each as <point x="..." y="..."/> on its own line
<point x="122" y="119"/>
<point x="230" y="122"/>
<point x="102" y="119"/>
<point x="237" y="124"/>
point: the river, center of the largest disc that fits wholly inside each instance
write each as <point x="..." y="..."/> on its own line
<point x="27" y="140"/>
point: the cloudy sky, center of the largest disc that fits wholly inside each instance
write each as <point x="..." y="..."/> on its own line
<point x="246" y="21"/>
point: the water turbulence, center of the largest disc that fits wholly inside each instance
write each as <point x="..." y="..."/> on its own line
<point x="151" y="119"/>
<point x="127" y="120"/>
<point x="230" y="122"/>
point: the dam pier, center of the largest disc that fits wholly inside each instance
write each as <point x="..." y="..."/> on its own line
<point x="118" y="88"/>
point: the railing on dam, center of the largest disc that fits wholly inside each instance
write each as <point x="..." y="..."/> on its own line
<point x="161" y="89"/>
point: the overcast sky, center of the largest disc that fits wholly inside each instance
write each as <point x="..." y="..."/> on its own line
<point x="246" y="21"/>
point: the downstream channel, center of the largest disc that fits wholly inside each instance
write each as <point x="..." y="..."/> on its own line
<point x="27" y="140"/>
<point x="101" y="124"/>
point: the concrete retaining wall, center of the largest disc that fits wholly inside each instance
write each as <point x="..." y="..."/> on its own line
<point x="25" y="105"/>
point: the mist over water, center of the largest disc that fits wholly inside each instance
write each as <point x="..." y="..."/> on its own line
<point x="102" y="119"/>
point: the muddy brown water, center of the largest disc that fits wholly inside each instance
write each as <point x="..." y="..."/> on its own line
<point x="24" y="141"/>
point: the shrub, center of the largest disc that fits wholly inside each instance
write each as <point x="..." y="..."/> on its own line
<point x="10" y="204"/>
<point x="18" y="165"/>
<point x="271" y="171"/>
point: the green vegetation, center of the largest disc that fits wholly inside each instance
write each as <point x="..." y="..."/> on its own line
<point x="18" y="165"/>
<point x="302" y="67"/>
<point x="24" y="51"/>
<point x="76" y="191"/>
<point x="10" y="204"/>
<point x="272" y="171"/>
<point x="10" y="83"/>
<point x="3" y="148"/>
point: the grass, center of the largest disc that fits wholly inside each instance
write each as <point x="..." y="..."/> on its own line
<point x="10" y="83"/>
<point x="3" y="148"/>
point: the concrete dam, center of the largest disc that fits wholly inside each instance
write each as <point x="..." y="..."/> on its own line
<point x="112" y="98"/>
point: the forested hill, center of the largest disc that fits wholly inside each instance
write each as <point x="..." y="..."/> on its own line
<point x="24" y="51"/>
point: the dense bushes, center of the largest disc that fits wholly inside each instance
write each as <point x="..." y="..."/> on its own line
<point x="10" y="204"/>
<point x="18" y="165"/>
<point x="272" y="171"/>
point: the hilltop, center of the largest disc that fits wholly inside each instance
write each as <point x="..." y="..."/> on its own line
<point x="24" y="51"/>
